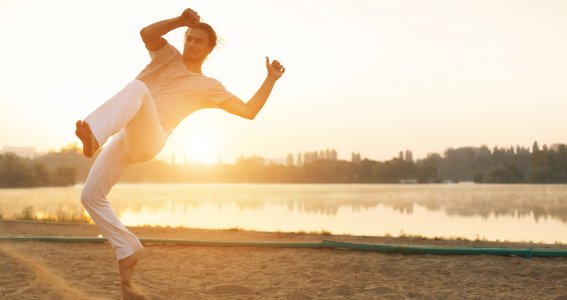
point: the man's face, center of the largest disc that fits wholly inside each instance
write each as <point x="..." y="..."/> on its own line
<point x="196" y="44"/>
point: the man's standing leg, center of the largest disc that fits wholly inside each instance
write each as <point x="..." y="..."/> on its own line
<point x="105" y="172"/>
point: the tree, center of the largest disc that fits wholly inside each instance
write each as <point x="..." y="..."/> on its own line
<point x="506" y="173"/>
<point x="355" y="158"/>
<point x="426" y="169"/>
<point x="535" y="148"/>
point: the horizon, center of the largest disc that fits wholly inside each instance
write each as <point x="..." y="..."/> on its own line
<point x="173" y="159"/>
<point x="389" y="76"/>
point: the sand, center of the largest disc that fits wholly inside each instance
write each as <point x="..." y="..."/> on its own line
<point x="42" y="270"/>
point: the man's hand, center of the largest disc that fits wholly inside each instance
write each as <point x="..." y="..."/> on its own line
<point x="190" y="18"/>
<point x="275" y="69"/>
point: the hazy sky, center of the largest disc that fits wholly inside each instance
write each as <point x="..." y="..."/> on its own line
<point x="373" y="77"/>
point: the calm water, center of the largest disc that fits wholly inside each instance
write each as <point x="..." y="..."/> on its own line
<point x="494" y="212"/>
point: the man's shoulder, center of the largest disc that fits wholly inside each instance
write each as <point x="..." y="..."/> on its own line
<point x="212" y="80"/>
<point x="162" y="60"/>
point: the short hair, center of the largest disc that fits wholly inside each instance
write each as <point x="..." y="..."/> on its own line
<point x="210" y="31"/>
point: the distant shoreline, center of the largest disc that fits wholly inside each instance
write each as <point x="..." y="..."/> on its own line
<point x="306" y="183"/>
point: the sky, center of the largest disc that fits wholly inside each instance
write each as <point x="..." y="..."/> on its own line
<point x="372" y="77"/>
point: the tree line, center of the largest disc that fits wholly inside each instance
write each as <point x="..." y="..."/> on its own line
<point x="16" y="171"/>
<point x="479" y="164"/>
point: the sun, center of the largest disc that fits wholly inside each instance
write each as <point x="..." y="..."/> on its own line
<point x="200" y="148"/>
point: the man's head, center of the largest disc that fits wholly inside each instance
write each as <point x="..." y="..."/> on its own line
<point x="199" y="42"/>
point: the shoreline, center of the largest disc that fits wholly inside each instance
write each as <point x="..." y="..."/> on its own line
<point x="51" y="228"/>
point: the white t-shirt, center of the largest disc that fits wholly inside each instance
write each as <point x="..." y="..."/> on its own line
<point x="176" y="91"/>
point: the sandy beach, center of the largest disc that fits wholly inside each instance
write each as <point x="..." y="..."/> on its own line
<point x="45" y="270"/>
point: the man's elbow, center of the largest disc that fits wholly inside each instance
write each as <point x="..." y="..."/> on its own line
<point x="143" y="34"/>
<point x="250" y="116"/>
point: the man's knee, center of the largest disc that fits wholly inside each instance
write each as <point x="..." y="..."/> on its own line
<point x="139" y="86"/>
<point x="89" y="195"/>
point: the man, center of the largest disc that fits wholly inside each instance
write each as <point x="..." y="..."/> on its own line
<point x="143" y="115"/>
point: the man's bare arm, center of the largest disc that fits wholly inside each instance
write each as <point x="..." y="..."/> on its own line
<point x="250" y="109"/>
<point x="152" y="34"/>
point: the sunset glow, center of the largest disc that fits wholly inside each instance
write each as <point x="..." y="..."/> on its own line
<point x="200" y="148"/>
<point x="373" y="77"/>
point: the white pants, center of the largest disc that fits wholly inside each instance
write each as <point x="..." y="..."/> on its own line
<point x="132" y="116"/>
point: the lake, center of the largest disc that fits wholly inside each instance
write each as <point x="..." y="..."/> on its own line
<point x="535" y="213"/>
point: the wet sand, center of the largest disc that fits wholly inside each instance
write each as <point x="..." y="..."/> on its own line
<point x="43" y="270"/>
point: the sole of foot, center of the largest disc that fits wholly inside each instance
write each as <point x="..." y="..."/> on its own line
<point x="84" y="133"/>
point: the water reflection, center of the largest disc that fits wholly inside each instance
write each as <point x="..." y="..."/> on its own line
<point x="256" y="206"/>
<point x="539" y="201"/>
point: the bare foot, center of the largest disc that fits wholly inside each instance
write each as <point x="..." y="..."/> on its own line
<point x="90" y="144"/>
<point x="126" y="268"/>
<point x="131" y="292"/>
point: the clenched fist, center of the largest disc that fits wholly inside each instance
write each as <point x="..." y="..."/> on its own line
<point x="275" y="69"/>
<point x="190" y="18"/>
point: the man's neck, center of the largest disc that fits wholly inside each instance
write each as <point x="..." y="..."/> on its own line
<point x="193" y="65"/>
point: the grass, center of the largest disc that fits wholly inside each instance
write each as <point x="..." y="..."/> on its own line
<point x="478" y="238"/>
<point x="314" y="232"/>
<point x="437" y="238"/>
<point x="413" y="236"/>
<point x="61" y="216"/>
<point x="236" y="229"/>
